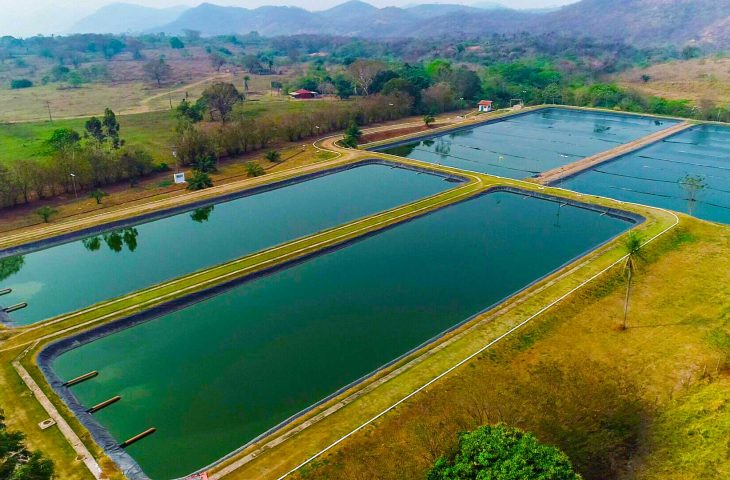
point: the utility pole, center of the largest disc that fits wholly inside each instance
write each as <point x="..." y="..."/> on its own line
<point x="48" y="105"/>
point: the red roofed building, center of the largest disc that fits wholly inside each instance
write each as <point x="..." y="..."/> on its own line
<point x="485" y="106"/>
<point x="302" y="94"/>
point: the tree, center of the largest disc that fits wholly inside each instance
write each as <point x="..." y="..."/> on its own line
<point x="692" y="185"/>
<point x="63" y="138"/>
<point x="645" y="78"/>
<point x="352" y="135"/>
<point x="46" y="213"/>
<point x="428" y="119"/>
<point x="551" y="93"/>
<point x="111" y="127"/>
<point x="199" y="181"/>
<point x="176" y="43"/>
<point x="16" y="461"/>
<point x="246" y="79"/>
<point x="220" y="98"/>
<point x="10" y="266"/>
<point x="632" y="246"/>
<point x="217" y="61"/>
<point x="343" y="87"/>
<point x="158" y="70"/>
<point x="98" y="195"/>
<point x="95" y="129"/>
<point x="273" y="156"/>
<point x="253" y="169"/>
<point x="202" y="214"/>
<point x="191" y="35"/>
<point x="503" y="453"/>
<point x="190" y="111"/>
<point x="363" y="73"/>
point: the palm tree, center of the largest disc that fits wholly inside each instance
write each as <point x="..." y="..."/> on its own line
<point x="632" y="245"/>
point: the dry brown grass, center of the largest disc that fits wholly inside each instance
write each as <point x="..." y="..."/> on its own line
<point x="697" y="79"/>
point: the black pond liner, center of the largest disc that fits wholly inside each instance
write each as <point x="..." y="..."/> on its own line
<point x="149" y="217"/>
<point x="125" y="461"/>
<point x="432" y="135"/>
<point x="558" y="182"/>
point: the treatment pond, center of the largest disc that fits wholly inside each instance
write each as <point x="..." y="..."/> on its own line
<point x="688" y="172"/>
<point x="524" y="145"/>
<point x="219" y="371"/>
<point x="67" y="277"/>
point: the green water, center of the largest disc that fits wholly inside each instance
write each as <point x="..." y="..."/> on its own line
<point x="522" y="146"/>
<point x="653" y="175"/>
<point x="218" y="373"/>
<point x="74" y="275"/>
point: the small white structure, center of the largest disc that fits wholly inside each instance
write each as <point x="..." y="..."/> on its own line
<point x="179" y="177"/>
<point x="485" y="106"/>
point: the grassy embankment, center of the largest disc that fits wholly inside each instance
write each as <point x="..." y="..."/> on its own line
<point x="559" y="375"/>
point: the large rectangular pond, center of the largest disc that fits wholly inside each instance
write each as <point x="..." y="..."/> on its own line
<point x="524" y="145"/>
<point x="70" y="276"/>
<point x="656" y="174"/>
<point x="218" y="372"/>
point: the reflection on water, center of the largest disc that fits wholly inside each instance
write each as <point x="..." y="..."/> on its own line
<point x="10" y="266"/>
<point x="115" y="240"/>
<point x="202" y="214"/>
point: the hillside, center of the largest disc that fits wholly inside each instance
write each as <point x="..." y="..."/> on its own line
<point x="641" y="23"/>
<point x="125" y="18"/>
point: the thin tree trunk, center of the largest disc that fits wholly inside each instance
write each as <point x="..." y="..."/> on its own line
<point x="626" y="302"/>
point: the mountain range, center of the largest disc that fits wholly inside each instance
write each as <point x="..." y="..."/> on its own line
<point x="637" y="22"/>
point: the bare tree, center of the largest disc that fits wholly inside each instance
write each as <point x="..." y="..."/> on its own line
<point x="220" y="98"/>
<point x="363" y="73"/>
<point x="692" y="185"/>
<point x="158" y="70"/>
<point x="632" y="246"/>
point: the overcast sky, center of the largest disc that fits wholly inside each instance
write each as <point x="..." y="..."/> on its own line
<point x="29" y="17"/>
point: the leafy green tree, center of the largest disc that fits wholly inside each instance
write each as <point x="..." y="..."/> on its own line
<point x="176" y="43"/>
<point x="632" y="246"/>
<point x="253" y="169"/>
<point x="95" y="129"/>
<point x="46" y="213"/>
<point x="190" y="111"/>
<point x="16" y="461"/>
<point x="220" y="98"/>
<point x="98" y="195"/>
<point x="111" y="127"/>
<point x="63" y="138"/>
<point x="273" y="156"/>
<point x="205" y="164"/>
<point x="343" y="87"/>
<point x="352" y="135"/>
<point x="199" y="181"/>
<point x="503" y="453"/>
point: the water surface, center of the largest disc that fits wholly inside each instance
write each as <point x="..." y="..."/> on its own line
<point x="525" y="145"/>
<point x="214" y="375"/>
<point x="74" y="275"/>
<point x="657" y="175"/>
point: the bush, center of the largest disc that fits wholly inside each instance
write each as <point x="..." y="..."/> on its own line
<point x="199" y="181"/>
<point x="253" y="169"/>
<point x="20" y="83"/>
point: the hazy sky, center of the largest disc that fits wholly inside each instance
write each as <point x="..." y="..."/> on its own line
<point x="28" y="17"/>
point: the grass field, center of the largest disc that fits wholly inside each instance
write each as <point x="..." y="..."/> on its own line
<point x="697" y="79"/>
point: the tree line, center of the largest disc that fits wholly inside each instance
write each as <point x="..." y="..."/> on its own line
<point x="79" y="161"/>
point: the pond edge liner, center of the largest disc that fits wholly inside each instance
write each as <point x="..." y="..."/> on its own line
<point x="48" y="354"/>
<point x="504" y="118"/>
<point x="69" y="237"/>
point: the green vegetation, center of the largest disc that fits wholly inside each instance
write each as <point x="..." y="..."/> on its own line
<point x="46" y="213"/>
<point x="632" y="244"/>
<point x="199" y="181"/>
<point x="253" y="169"/>
<point x="16" y="461"/>
<point x="20" y="83"/>
<point x="503" y="453"/>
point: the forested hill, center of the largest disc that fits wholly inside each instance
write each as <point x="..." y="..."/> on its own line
<point x="640" y="23"/>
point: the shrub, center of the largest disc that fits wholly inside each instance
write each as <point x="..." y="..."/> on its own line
<point x="20" y="83"/>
